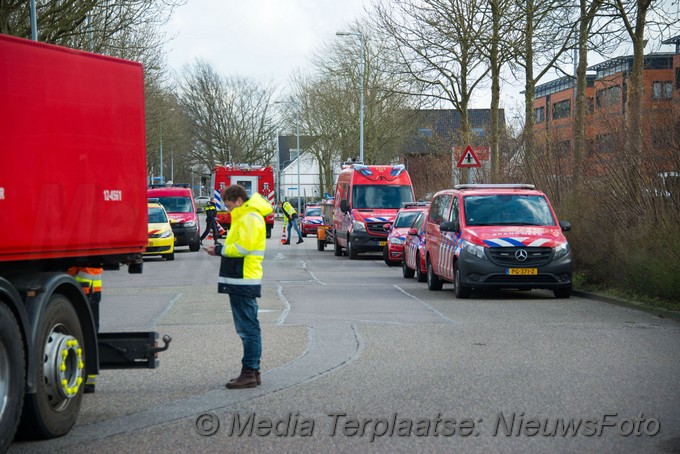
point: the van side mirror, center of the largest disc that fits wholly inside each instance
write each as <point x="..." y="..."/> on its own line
<point x="344" y="206"/>
<point x="413" y="231"/>
<point x="200" y="210"/>
<point x="565" y="226"/>
<point x="449" y="226"/>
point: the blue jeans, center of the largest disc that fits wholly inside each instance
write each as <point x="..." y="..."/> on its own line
<point x="294" y="224"/>
<point x="247" y="327"/>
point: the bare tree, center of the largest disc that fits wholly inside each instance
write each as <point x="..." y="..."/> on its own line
<point x="547" y="28"/>
<point x="437" y="46"/>
<point x="231" y="117"/>
<point x="499" y="47"/>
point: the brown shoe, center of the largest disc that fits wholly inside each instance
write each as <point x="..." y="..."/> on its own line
<point x="257" y="378"/>
<point x="247" y="379"/>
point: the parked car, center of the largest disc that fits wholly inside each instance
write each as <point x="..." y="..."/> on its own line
<point x="161" y="239"/>
<point x="202" y="200"/>
<point x="393" y="251"/>
<point x="310" y="220"/>
<point x="414" y="250"/>
<point x="503" y="236"/>
<point x="178" y="202"/>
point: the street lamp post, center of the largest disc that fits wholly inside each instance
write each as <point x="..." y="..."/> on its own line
<point x="161" y="169"/>
<point x="161" y="156"/>
<point x="297" y="144"/>
<point x="361" y="90"/>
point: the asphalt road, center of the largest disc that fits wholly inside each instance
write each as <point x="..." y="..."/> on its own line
<point x="358" y="359"/>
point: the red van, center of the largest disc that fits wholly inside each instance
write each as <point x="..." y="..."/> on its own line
<point x="178" y="202"/>
<point x="496" y="236"/>
<point x="366" y="202"/>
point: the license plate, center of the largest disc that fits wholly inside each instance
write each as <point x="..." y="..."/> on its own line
<point x="522" y="271"/>
<point x="382" y="243"/>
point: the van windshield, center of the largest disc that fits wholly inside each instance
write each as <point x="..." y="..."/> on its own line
<point x="507" y="209"/>
<point x="176" y="204"/>
<point x="381" y="196"/>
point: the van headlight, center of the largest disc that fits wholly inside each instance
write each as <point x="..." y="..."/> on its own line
<point x="166" y="234"/>
<point x="561" y="250"/>
<point x="473" y="249"/>
<point x="190" y="224"/>
<point x="358" y="226"/>
<point x="396" y="240"/>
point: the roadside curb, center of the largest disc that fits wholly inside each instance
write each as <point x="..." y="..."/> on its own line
<point x="657" y="311"/>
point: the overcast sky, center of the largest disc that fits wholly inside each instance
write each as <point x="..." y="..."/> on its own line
<point x="270" y="39"/>
<point x="264" y="39"/>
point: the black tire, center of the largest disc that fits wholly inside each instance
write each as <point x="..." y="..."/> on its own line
<point x="433" y="281"/>
<point x="170" y="256"/>
<point x="269" y="231"/>
<point x="195" y="246"/>
<point x="351" y="252"/>
<point x="459" y="289"/>
<point x="338" y="250"/>
<point x="562" y="292"/>
<point x="12" y="376"/>
<point x="389" y="262"/>
<point x="407" y="272"/>
<point x="47" y="414"/>
<point x="420" y="276"/>
<point x="320" y="245"/>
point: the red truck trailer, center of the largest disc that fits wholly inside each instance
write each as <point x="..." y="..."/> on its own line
<point x="253" y="178"/>
<point x="72" y="193"/>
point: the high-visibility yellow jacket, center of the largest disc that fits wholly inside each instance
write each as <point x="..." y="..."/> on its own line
<point x="289" y="211"/>
<point x="243" y="250"/>
<point x="90" y="280"/>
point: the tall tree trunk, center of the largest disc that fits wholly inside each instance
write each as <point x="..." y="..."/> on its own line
<point x="494" y="135"/>
<point x="530" y="89"/>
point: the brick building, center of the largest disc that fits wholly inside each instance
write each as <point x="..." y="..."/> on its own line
<point x="606" y="101"/>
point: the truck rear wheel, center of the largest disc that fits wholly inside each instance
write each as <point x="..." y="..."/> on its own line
<point x="60" y="374"/>
<point x="338" y="250"/>
<point x="320" y="244"/>
<point x="12" y="376"/>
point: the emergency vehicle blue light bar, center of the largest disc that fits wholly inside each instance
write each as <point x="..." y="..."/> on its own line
<point x="396" y="170"/>
<point x="364" y="170"/>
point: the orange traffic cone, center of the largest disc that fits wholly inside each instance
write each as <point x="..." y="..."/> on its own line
<point x="283" y="233"/>
<point x="222" y="232"/>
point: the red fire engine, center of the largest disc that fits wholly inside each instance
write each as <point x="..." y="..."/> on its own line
<point x="253" y="178"/>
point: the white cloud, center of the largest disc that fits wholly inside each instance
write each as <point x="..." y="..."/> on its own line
<point x="264" y="39"/>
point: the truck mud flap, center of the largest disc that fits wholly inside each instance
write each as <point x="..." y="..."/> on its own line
<point x="130" y="350"/>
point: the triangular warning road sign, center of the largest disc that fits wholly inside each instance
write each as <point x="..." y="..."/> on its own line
<point x="469" y="159"/>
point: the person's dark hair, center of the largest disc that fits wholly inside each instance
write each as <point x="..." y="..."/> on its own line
<point x="234" y="192"/>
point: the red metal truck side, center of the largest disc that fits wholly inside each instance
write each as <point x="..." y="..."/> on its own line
<point x="72" y="194"/>
<point x="72" y="178"/>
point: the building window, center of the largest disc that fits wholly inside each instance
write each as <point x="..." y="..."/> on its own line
<point x="662" y="90"/>
<point x="561" y="109"/>
<point x="424" y="132"/>
<point x="539" y="115"/>
<point x="609" y="96"/>
<point x="677" y="78"/>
